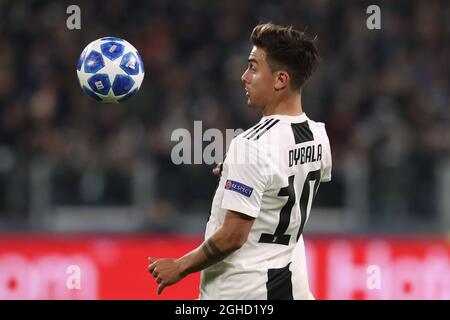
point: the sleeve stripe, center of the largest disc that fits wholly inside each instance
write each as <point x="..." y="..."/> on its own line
<point x="267" y="129"/>
<point x="256" y="127"/>
<point x="265" y="125"/>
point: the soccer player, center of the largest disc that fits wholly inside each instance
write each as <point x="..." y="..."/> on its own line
<point x="254" y="246"/>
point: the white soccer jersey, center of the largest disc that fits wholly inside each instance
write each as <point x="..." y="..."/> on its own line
<point x="271" y="172"/>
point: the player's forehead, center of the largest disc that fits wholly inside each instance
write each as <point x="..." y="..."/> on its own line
<point x="257" y="55"/>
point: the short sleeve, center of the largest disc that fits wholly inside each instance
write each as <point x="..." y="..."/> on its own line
<point x="326" y="161"/>
<point x="245" y="178"/>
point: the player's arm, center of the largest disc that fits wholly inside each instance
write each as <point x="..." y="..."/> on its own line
<point x="227" y="239"/>
<point x="230" y="237"/>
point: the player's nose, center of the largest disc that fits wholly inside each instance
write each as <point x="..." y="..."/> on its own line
<point x="244" y="77"/>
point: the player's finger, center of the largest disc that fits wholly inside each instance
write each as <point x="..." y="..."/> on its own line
<point x="158" y="280"/>
<point x="217" y="170"/>
<point x="151" y="267"/>
<point x="161" y="288"/>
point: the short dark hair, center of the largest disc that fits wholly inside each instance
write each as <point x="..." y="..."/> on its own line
<point x="287" y="49"/>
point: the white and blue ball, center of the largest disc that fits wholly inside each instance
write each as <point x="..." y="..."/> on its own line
<point x="110" y="70"/>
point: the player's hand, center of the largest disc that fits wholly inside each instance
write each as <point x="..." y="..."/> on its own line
<point x="218" y="169"/>
<point x="166" y="272"/>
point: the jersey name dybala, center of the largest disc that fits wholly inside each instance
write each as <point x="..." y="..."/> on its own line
<point x="271" y="172"/>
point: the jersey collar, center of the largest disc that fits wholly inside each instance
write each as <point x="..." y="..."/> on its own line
<point x="285" y="118"/>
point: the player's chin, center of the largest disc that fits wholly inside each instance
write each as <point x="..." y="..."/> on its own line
<point x="251" y="104"/>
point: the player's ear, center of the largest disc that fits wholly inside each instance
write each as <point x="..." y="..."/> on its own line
<point x="281" y="80"/>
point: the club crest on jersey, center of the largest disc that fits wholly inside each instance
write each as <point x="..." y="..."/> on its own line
<point x="239" y="187"/>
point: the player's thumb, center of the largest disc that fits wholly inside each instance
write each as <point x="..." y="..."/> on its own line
<point x="151" y="259"/>
<point x="161" y="288"/>
<point x="217" y="170"/>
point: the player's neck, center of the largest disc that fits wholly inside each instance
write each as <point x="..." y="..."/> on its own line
<point x="288" y="106"/>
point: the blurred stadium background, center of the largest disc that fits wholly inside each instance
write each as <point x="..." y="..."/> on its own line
<point x="94" y="185"/>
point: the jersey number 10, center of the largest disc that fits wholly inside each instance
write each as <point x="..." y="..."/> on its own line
<point x="309" y="190"/>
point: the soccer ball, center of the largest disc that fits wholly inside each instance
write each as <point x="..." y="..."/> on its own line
<point x="110" y="70"/>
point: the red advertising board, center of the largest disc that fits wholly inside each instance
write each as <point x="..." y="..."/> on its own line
<point x="114" y="267"/>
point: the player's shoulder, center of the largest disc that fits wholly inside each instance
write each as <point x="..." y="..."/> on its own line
<point x="258" y="140"/>
<point x="317" y="127"/>
<point x="265" y="127"/>
<point x="276" y="129"/>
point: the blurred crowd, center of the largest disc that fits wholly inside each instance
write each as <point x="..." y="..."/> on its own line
<point x="383" y="94"/>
